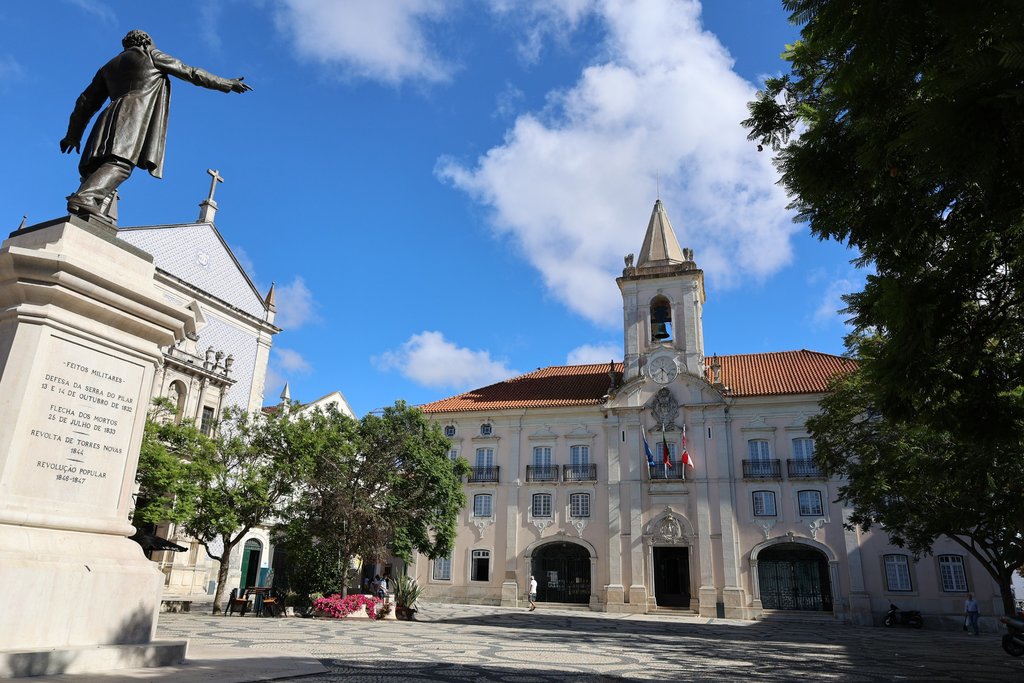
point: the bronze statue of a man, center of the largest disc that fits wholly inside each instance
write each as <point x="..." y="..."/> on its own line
<point x="132" y="130"/>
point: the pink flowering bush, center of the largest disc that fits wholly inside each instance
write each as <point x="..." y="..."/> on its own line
<point x="338" y="607"/>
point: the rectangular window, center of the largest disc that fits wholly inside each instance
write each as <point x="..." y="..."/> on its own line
<point x="759" y="450"/>
<point x="541" y="505"/>
<point x="206" y="424"/>
<point x="542" y="456"/>
<point x="951" y="569"/>
<point x="453" y="454"/>
<point x="579" y="505"/>
<point x="443" y="569"/>
<point x="579" y="455"/>
<point x="485" y="457"/>
<point x="897" y="573"/>
<point x="482" y="505"/>
<point x="481" y="570"/>
<point x="803" y="449"/>
<point x="809" y="503"/>
<point x="764" y="503"/>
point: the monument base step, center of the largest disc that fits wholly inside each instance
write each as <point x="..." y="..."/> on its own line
<point x="91" y="658"/>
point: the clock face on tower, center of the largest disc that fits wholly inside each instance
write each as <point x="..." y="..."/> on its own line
<point x="663" y="370"/>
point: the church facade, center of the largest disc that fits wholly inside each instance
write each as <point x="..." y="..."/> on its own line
<point x="222" y="364"/>
<point x="672" y="480"/>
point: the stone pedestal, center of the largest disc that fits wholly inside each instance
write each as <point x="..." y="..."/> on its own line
<point x="509" y="593"/>
<point x="81" y="326"/>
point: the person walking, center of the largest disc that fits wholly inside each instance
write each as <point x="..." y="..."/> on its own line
<point x="533" y="594"/>
<point x="973" y="612"/>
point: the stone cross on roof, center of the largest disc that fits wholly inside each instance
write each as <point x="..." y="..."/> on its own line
<point x="208" y="207"/>
<point x="215" y="177"/>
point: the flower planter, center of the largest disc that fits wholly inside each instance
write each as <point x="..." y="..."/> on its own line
<point x="354" y="606"/>
<point x="403" y="613"/>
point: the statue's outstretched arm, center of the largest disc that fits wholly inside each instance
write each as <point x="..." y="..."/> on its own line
<point x="167" y="64"/>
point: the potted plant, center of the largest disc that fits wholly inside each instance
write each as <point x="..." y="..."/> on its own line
<point x="407" y="591"/>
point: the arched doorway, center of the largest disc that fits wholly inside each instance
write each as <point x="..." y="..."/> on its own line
<point x="250" y="563"/>
<point x="794" y="576"/>
<point x="562" y="571"/>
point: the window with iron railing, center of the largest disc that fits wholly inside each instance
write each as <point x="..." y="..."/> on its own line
<point x="762" y="469"/>
<point x="542" y="473"/>
<point x="478" y="475"/>
<point x="674" y="471"/>
<point x="582" y="472"/>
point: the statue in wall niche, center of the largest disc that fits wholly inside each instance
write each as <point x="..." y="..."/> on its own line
<point x="132" y="130"/>
<point x="665" y="408"/>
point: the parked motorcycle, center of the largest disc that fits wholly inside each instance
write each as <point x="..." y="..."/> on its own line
<point x="1013" y="641"/>
<point x="910" y="617"/>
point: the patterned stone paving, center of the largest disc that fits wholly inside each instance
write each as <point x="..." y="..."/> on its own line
<point x="460" y="643"/>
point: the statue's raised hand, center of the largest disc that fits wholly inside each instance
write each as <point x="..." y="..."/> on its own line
<point x="237" y="85"/>
<point x="68" y="144"/>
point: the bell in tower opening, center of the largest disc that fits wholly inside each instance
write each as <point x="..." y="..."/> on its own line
<point x="661" y="319"/>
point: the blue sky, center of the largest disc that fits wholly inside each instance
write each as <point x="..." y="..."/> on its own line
<point x="444" y="191"/>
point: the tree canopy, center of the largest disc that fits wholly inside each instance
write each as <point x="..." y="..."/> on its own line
<point x="216" y="489"/>
<point x="917" y="482"/>
<point x="911" y="150"/>
<point x="899" y="131"/>
<point x="383" y="485"/>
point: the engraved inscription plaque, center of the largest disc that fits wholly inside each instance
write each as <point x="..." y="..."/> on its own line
<point x="82" y="406"/>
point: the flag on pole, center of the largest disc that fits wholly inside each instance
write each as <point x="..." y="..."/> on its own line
<point x="647" y="449"/>
<point x="686" y="459"/>
<point x="667" y="459"/>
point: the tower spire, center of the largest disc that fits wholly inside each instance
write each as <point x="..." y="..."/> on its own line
<point x="660" y="244"/>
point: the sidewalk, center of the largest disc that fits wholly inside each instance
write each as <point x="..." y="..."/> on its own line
<point x="455" y="643"/>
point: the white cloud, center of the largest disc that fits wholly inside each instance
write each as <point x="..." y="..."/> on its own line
<point x="384" y="41"/>
<point x="272" y="386"/>
<point x="98" y="9"/>
<point x="594" y="353"/>
<point x="10" y="69"/>
<point x="574" y="185"/>
<point x="431" y="360"/>
<point x="542" y="20"/>
<point x="831" y="301"/>
<point x="295" y="305"/>
<point x="291" y="361"/>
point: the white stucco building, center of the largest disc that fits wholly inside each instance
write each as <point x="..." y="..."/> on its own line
<point x="562" y="487"/>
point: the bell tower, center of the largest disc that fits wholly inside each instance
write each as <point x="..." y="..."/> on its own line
<point x="662" y="306"/>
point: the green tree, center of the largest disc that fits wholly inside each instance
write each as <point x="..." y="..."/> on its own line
<point x="218" y="488"/>
<point x="918" y="483"/>
<point x="378" y="486"/>
<point x="911" y="150"/>
<point x="899" y="132"/>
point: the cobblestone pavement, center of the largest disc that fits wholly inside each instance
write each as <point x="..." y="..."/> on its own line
<point x="461" y="643"/>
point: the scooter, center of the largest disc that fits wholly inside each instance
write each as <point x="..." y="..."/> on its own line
<point x="910" y="617"/>
<point x="1013" y="641"/>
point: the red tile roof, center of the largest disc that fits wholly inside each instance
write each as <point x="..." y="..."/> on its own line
<point x="560" y="386"/>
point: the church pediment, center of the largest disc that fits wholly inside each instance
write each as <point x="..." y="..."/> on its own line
<point x="198" y="255"/>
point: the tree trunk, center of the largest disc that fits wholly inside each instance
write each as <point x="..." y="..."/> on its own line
<point x="222" y="577"/>
<point x="1006" y="588"/>
<point x="345" y="563"/>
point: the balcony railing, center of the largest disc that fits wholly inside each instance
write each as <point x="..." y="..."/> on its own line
<point x="675" y="471"/>
<point x="483" y="474"/>
<point x="762" y="469"/>
<point x="803" y="469"/>
<point x="542" y="473"/>
<point x="586" y="472"/>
